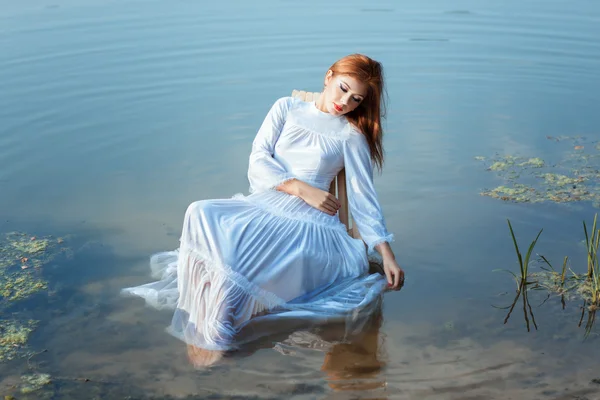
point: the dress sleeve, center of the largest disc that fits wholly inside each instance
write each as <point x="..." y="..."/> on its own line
<point x="362" y="197"/>
<point x="265" y="172"/>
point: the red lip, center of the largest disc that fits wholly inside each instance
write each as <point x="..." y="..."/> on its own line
<point x="337" y="108"/>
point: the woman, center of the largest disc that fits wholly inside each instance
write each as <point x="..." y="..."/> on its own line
<point x="282" y="252"/>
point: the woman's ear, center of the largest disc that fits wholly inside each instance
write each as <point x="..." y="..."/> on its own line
<point x="328" y="77"/>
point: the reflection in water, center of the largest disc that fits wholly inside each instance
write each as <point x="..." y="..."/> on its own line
<point x="200" y="357"/>
<point x="356" y="364"/>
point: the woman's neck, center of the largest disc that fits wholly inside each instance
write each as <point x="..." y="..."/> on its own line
<point x="321" y="103"/>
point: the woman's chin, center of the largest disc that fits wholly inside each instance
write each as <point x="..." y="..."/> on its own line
<point x="335" y="112"/>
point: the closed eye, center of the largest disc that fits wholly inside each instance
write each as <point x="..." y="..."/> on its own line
<point x="343" y="89"/>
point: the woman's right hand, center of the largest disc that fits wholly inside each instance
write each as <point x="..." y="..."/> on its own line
<point x="315" y="197"/>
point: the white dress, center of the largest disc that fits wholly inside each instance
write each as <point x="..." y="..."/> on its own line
<point x="269" y="256"/>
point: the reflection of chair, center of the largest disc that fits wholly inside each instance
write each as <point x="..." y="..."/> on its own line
<point x="338" y="186"/>
<point x="356" y="365"/>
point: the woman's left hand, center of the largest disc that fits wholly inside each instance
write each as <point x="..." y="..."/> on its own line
<point x="393" y="273"/>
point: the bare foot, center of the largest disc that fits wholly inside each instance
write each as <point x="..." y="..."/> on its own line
<point x="200" y="357"/>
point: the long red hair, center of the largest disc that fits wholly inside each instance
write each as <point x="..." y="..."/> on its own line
<point x="367" y="116"/>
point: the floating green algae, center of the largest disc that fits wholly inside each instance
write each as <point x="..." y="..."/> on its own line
<point x="518" y="192"/>
<point x="33" y="251"/>
<point x="561" y="180"/>
<point x="22" y="257"/>
<point x="19" y="286"/>
<point x="22" y="260"/>
<point x="576" y="177"/>
<point x="13" y="338"/>
<point x="34" y="382"/>
<point x="30" y="245"/>
<point x="533" y="162"/>
<point x="499" y="166"/>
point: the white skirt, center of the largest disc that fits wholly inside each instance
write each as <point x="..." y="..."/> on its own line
<point x="264" y="257"/>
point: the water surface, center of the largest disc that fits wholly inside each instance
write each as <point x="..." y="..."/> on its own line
<point x="116" y="115"/>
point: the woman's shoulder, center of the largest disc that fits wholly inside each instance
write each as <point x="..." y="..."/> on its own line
<point x="287" y="103"/>
<point x="355" y="133"/>
<point x="355" y="137"/>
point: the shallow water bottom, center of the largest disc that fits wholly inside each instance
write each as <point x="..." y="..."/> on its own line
<point x="118" y="349"/>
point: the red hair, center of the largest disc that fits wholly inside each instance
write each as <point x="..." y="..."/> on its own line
<point x="367" y="116"/>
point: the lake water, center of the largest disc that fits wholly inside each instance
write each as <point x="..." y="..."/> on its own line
<point x="115" y="115"/>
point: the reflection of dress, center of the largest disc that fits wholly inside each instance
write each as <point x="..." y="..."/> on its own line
<point x="271" y="254"/>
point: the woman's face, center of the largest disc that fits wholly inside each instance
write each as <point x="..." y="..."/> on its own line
<point x="342" y="93"/>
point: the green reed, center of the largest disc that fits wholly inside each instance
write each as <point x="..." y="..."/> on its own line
<point x="560" y="288"/>
<point x="523" y="280"/>
<point x="591" y="302"/>
<point x="585" y="286"/>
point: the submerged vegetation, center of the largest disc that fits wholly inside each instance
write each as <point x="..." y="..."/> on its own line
<point x="523" y="280"/>
<point x="566" y="283"/>
<point x="533" y="180"/>
<point x="13" y="337"/>
<point x="22" y="259"/>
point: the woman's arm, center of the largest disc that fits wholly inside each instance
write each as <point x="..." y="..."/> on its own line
<point x="264" y="171"/>
<point x="393" y="272"/>
<point x="365" y="208"/>
<point x="315" y="197"/>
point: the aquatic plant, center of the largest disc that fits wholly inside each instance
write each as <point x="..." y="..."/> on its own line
<point x="584" y="286"/>
<point x="557" y="281"/>
<point x="19" y="286"/>
<point x="592" y="294"/>
<point x="533" y="162"/>
<point x="518" y="193"/>
<point x="13" y="338"/>
<point x="34" y="382"/>
<point x="29" y="251"/>
<point x="22" y="258"/>
<point x="522" y="280"/>
<point x="532" y="180"/>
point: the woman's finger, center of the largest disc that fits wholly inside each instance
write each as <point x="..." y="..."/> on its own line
<point x="337" y="202"/>
<point x="394" y="279"/>
<point x="333" y="205"/>
<point x="328" y="209"/>
<point x="388" y="275"/>
<point x="331" y="200"/>
<point x="400" y="278"/>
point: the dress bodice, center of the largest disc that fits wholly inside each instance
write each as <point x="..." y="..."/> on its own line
<point x="298" y="141"/>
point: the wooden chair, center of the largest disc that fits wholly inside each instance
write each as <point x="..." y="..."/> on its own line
<point x="338" y="186"/>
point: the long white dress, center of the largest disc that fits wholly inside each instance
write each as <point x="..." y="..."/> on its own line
<point x="270" y="256"/>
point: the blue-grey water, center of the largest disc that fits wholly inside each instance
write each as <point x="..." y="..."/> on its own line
<point x="115" y="115"/>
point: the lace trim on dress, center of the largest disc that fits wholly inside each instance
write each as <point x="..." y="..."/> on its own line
<point x="389" y="238"/>
<point x="283" y="178"/>
<point x="268" y="299"/>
